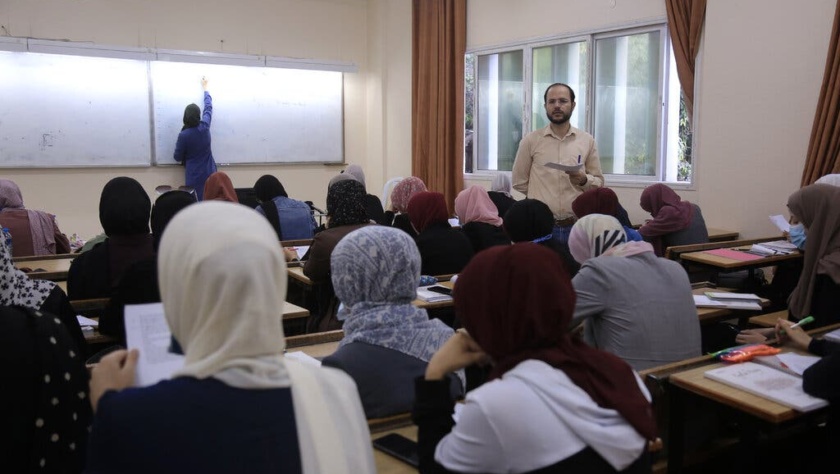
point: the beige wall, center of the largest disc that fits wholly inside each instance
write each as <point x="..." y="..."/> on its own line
<point x="374" y="34"/>
<point x="762" y="66"/>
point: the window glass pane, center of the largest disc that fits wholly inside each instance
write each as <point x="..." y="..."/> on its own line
<point x="566" y="63"/>
<point x="627" y="72"/>
<point x="499" y="110"/>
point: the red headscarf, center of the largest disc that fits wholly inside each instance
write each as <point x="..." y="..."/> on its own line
<point x="596" y="201"/>
<point x="669" y="212"/>
<point x="219" y="188"/>
<point x="517" y="302"/>
<point x="427" y="208"/>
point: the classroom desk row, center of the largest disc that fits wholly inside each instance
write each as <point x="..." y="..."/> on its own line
<point x="755" y="414"/>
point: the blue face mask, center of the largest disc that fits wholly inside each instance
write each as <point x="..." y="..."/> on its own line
<point x="797" y="236"/>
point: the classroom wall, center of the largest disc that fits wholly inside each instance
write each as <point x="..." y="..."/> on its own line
<point x="374" y="34"/>
<point x="761" y="59"/>
<point x="757" y="88"/>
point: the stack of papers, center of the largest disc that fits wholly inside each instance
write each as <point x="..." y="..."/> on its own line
<point x="777" y="247"/>
<point x="429" y="296"/>
<point x="764" y="381"/>
<point x="712" y="299"/>
<point x="833" y="335"/>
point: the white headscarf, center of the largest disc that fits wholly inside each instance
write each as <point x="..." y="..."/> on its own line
<point x="832" y="179"/>
<point x="223" y="284"/>
<point x="501" y="183"/>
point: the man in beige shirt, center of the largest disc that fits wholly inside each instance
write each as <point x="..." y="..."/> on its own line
<point x="560" y="143"/>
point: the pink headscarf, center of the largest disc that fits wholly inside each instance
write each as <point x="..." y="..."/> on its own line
<point x="403" y="192"/>
<point x="474" y="205"/>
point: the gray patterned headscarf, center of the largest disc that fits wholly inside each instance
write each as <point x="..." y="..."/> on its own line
<point x="375" y="273"/>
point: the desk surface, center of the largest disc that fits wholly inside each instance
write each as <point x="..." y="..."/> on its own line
<point x="721" y="235"/>
<point x="694" y="381"/>
<point x="52" y="268"/>
<point x="386" y="464"/>
<point x="730" y="263"/>
<point x="296" y="273"/>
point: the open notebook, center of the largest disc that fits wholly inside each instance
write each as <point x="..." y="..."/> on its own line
<point x="768" y="382"/>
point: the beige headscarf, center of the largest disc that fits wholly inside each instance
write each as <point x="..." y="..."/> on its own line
<point x="593" y="235"/>
<point x="223" y="288"/>
<point x="818" y="208"/>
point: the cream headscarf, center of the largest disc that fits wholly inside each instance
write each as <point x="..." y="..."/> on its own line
<point x="223" y="285"/>
<point x="593" y="235"/>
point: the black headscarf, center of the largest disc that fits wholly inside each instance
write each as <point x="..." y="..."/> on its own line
<point x="192" y="116"/>
<point x="124" y="207"/>
<point x="345" y="203"/>
<point x="267" y="188"/>
<point x="528" y="220"/>
<point x="166" y="206"/>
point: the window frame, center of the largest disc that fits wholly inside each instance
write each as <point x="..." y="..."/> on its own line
<point x="591" y="37"/>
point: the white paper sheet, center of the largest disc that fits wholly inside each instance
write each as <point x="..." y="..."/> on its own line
<point x="147" y="331"/>
<point x="780" y="222"/>
<point x="83" y="321"/>
<point x="562" y="167"/>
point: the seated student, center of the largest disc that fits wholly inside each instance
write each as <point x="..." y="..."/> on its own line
<point x="387" y="340"/>
<point x="400" y="195"/>
<point x="373" y="205"/>
<point x="443" y="250"/>
<point x="290" y="218"/>
<point x="237" y="405"/>
<point x="345" y="213"/>
<point x="139" y="283"/>
<point x="17" y="289"/>
<point x="44" y="402"/>
<point x="479" y="219"/>
<point x="33" y="232"/>
<point x="817" y="292"/>
<point x="531" y="220"/>
<point x="604" y="201"/>
<point x="634" y="304"/>
<point x="675" y="222"/>
<point x="499" y="193"/>
<point x="822" y="379"/>
<point x="219" y="188"/>
<point x="552" y="403"/>
<point x="124" y="209"/>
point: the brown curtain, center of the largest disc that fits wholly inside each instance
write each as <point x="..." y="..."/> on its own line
<point x="825" y="134"/>
<point x="439" y="39"/>
<point x="685" y="23"/>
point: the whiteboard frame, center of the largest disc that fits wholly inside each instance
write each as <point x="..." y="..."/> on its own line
<point x="35" y="45"/>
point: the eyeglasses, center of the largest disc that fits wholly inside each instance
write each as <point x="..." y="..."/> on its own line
<point x="165" y="188"/>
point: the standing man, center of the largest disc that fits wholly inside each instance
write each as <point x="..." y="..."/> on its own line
<point x="561" y="143"/>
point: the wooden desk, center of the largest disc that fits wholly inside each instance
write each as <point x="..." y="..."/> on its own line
<point x="721" y="235"/>
<point x="758" y="413"/>
<point x="296" y="273"/>
<point x="725" y="263"/>
<point x="51" y="268"/>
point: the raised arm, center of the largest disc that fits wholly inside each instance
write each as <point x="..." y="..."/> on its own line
<point x="208" y="103"/>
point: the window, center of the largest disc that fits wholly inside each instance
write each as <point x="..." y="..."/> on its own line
<point x="627" y="95"/>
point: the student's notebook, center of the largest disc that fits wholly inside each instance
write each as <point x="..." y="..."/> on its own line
<point x="767" y="382"/>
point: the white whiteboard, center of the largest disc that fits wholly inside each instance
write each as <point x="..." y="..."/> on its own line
<point x="260" y="114"/>
<point x="59" y="111"/>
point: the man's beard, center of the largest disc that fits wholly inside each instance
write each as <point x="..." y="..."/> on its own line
<point x="561" y="121"/>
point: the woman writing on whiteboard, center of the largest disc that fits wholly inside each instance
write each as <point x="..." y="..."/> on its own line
<point x="193" y="145"/>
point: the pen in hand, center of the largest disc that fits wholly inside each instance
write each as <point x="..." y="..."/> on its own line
<point x="805" y="320"/>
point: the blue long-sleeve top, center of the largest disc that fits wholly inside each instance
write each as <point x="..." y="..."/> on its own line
<point x="193" y="148"/>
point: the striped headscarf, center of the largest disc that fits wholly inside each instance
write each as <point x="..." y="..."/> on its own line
<point x="593" y="235"/>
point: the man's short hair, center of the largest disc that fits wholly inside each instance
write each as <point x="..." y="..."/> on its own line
<point x="571" y="91"/>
